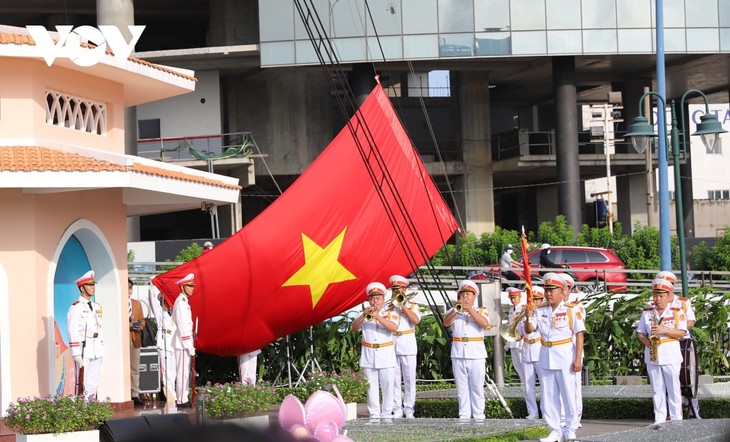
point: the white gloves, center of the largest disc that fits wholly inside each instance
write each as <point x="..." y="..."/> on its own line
<point x="79" y="361"/>
<point x="191" y="352"/>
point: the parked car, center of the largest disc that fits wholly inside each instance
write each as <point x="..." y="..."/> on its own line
<point x="591" y="265"/>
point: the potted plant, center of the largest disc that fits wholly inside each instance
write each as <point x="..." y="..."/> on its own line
<point x="237" y="402"/>
<point x="352" y="385"/>
<point x="57" y="418"/>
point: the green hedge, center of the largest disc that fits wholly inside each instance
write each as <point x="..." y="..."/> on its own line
<point x="626" y="408"/>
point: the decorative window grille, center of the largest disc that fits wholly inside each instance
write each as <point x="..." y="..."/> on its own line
<point x="75" y="113"/>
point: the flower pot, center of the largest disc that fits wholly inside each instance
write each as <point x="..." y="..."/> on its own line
<point x="257" y="422"/>
<point x="351" y="408"/>
<point x="73" y="436"/>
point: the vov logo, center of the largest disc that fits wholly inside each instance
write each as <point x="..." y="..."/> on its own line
<point x="70" y="39"/>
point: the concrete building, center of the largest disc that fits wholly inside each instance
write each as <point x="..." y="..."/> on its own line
<point x="67" y="189"/>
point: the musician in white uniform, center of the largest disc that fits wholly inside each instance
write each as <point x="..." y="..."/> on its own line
<point x="166" y="329"/>
<point x="468" y="352"/>
<point x="515" y="347"/>
<point x="560" y="356"/>
<point x="531" y="356"/>
<point x="183" y="339"/>
<point x="405" y="349"/>
<point x="669" y="324"/>
<point x="377" y="358"/>
<point x="575" y="304"/>
<point x="85" y="335"/>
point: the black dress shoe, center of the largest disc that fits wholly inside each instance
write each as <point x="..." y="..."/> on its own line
<point x="185" y="405"/>
<point x="137" y="402"/>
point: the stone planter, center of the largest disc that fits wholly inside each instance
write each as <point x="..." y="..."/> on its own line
<point x="257" y="422"/>
<point x="351" y="408"/>
<point x="74" y="436"/>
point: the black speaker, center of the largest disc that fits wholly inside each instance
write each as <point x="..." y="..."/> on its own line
<point x="124" y="430"/>
<point x="164" y="422"/>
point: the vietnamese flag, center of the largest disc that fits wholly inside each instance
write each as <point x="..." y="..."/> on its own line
<point x="360" y="213"/>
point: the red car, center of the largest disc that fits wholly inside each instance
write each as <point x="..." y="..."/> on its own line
<point x="592" y="267"/>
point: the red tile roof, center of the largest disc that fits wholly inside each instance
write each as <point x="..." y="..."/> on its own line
<point x="42" y="159"/>
<point x="24" y="39"/>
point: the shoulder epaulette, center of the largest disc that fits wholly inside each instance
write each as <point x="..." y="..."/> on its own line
<point x="648" y="309"/>
<point x="571" y="303"/>
<point x="75" y="302"/>
<point x="675" y="308"/>
<point x="681" y="298"/>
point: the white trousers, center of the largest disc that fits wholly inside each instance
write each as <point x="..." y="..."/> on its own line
<point x="92" y="372"/>
<point x="469" y="375"/>
<point x="247" y="368"/>
<point x="578" y="395"/>
<point x="665" y="384"/>
<point x="168" y="372"/>
<point x="556" y="385"/>
<point x="530" y="390"/>
<point x="405" y="371"/>
<point x="518" y="364"/>
<point x="382" y="379"/>
<point x="182" y="377"/>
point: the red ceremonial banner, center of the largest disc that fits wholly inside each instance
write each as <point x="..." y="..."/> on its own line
<point x="526" y="267"/>
<point x="310" y="254"/>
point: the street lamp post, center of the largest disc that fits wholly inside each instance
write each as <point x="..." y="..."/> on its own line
<point x="641" y="133"/>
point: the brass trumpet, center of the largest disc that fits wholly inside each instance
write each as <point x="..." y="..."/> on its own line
<point x="458" y="307"/>
<point x="369" y="314"/>
<point x="399" y="299"/>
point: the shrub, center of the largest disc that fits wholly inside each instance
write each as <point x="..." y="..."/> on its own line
<point x="353" y="385"/>
<point x="56" y="414"/>
<point x="236" y="399"/>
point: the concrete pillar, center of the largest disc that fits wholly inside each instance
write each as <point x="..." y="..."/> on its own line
<point x="478" y="202"/>
<point x="566" y="137"/>
<point x="362" y="81"/>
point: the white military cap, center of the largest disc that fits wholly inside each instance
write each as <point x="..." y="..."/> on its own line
<point x="187" y="280"/>
<point x="468" y="285"/>
<point x="87" y="278"/>
<point x="375" y="288"/>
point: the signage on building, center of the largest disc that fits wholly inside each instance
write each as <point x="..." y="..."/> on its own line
<point x="68" y="43"/>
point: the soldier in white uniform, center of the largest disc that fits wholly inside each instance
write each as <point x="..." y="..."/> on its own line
<point x="530" y="356"/>
<point x="468" y="352"/>
<point x="575" y="304"/>
<point x="669" y="324"/>
<point x="166" y="329"/>
<point x="405" y="349"/>
<point x="515" y="347"/>
<point x="560" y="356"/>
<point x="183" y="339"/>
<point x="85" y="335"/>
<point x="377" y="358"/>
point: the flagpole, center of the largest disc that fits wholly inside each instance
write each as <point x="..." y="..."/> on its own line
<point x="526" y="268"/>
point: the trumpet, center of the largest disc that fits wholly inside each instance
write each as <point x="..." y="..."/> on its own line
<point x="654" y="341"/>
<point x="399" y="299"/>
<point x="369" y="314"/>
<point x="458" y="307"/>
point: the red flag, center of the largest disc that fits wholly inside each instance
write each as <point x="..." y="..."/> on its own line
<point x="526" y="267"/>
<point x="310" y="254"/>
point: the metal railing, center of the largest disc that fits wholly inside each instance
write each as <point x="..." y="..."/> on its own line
<point x="178" y="148"/>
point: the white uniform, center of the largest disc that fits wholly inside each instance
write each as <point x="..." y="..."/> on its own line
<point x="86" y="339"/>
<point x="183" y="344"/>
<point x="377" y="360"/>
<point x="405" y="367"/>
<point x="578" y="374"/>
<point x="557" y="328"/>
<point x="664" y="372"/>
<point x="247" y="366"/>
<point x="468" y="358"/>
<point x="515" y="348"/>
<point x="166" y="329"/>
<point x="530" y="357"/>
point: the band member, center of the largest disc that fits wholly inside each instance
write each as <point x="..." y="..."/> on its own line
<point x="515" y="348"/>
<point x="166" y="330"/>
<point x="660" y="328"/>
<point x="183" y="339"/>
<point x="530" y="357"/>
<point x="377" y="357"/>
<point x="468" y="352"/>
<point x="85" y="335"/>
<point x="560" y="356"/>
<point x="569" y="286"/>
<point x="405" y="348"/>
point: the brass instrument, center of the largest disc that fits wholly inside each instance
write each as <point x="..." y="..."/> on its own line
<point x="507" y="333"/>
<point x="369" y="314"/>
<point x="458" y="307"/>
<point x="654" y="340"/>
<point x="399" y="299"/>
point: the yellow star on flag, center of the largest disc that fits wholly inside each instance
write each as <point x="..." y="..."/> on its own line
<point x="321" y="267"/>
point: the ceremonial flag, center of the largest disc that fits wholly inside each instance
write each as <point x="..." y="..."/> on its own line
<point x="310" y="254"/>
<point x="526" y="267"/>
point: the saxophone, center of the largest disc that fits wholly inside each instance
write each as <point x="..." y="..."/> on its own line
<point x="654" y="341"/>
